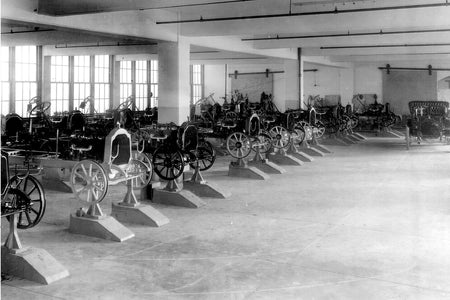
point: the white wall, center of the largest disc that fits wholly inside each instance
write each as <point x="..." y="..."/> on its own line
<point x="215" y="81"/>
<point x="328" y="81"/>
<point x="443" y="94"/>
<point x="368" y="80"/>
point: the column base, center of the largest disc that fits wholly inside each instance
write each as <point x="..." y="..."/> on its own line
<point x="140" y="214"/>
<point x="105" y="227"/>
<point x="32" y="264"/>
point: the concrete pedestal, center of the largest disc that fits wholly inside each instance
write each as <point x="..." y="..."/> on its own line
<point x="347" y="139"/>
<point x="206" y="189"/>
<point x="181" y="198"/>
<point x="243" y="170"/>
<point x="353" y="138"/>
<point x="138" y="214"/>
<point x="362" y="137"/>
<point x="295" y="152"/>
<point x="33" y="264"/>
<point x="51" y="180"/>
<point x="200" y="187"/>
<point x="266" y="166"/>
<point x="282" y="158"/>
<point x="321" y="148"/>
<point x="103" y="227"/>
<point x="335" y="141"/>
<point x="305" y="148"/>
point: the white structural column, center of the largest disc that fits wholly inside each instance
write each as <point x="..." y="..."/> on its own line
<point x="46" y="78"/>
<point x="346" y="85"/>
<point x="115" y="89"/>
<point x="293" y="81"/>
<point x="174" y="83"/>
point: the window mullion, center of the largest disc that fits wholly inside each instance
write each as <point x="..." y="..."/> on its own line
<point x="71" y="82"/>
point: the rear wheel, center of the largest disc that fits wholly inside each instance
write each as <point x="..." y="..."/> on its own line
<point x="206" y="156"/>
<point x="30" y="194"/>
<point x="239" y="145"/>
<point x="168" y="163"/>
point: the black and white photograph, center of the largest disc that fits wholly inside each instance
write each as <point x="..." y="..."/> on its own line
<point x="225" y="149"/>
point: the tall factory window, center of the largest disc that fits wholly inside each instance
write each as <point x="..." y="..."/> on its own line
<point x="5" y="81"/>
<point x="25" y="77"/>
<point x="196" y="82"/>
<point x="81" y="80"/>
<point x="59" y="82"/>
<point x="126" y="81"/>
<point x="154" y="82"/>
<point x="101" y="83"/>
<point x="141" y="84"/>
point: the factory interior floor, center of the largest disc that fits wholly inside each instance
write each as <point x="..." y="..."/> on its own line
<point x="369" y="221"/>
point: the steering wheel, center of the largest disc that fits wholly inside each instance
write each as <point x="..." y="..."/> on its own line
<point x="40" y="107"/>
<point x="126" y="104"/>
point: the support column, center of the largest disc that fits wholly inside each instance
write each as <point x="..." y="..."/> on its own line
<point x="115" y="87"/>
<point x="174" y="86"/>
<point x="46" y="77"/>
<point x="293" y="74"/>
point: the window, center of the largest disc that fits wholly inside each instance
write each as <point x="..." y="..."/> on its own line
<point x="59" y="82"/>
<point x="81" y="80"/>
<point x="5" y="84"/>
<point x="154" y="82"/>
<point x="126" y="81"/>
<point x="196" y="82"/>
<point x="141" y="85"/>
<point x="101" y="83"/>
<point x="26" y="77"/>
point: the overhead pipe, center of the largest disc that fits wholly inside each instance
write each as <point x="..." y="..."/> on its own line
<point x="385" y="46"/>
<point x="312" y="13"/>
<point x="381" y="32"/>
<point x="107" y="45"/>
<point x="236" y="73"/>
<point x="196" y="4"/>
<point x="27" y="31"/>
<point x="430" y="69"/>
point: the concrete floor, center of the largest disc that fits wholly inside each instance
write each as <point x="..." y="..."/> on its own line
<point x="370" y="221"/>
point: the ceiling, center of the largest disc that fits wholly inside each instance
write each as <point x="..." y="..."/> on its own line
<point x="358" y="31"/>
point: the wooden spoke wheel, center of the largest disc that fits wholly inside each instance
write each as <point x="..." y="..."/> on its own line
<point x="239" y="145"/>
<point x="280" y="137"/>
<point x="320" y="130"/>
<point x="206" y="156"/>
<point x="168" y="163"/>
<point x="264" y="142"/>
<point x="141" y="172"/>
<point x="298" y="134"/>
<point x="146" y="160"/>
<point x="355" y="121"/>
<point x="89" y="182"/>
<point x="29" y="197"/>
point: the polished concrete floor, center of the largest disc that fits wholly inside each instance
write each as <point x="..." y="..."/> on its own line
<point x="370" y="221"/>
